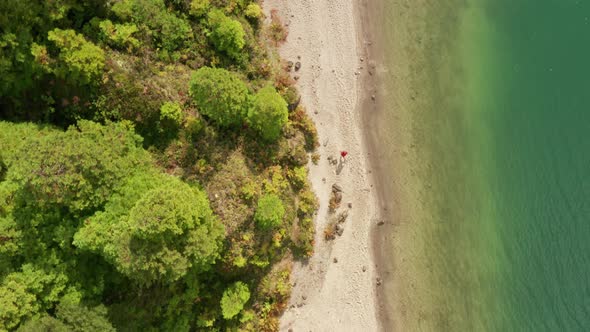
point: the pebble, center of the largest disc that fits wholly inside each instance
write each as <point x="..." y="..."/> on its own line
<point x="335" y="260"/>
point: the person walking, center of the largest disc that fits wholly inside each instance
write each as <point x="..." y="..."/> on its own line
<point x="343" y="155"/>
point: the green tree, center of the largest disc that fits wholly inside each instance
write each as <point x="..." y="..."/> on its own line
<point x="28" y="292"/>
<point x="156" y="229"/>
<point x="77" y="169"/>
<point x="269" y="212"/>
<point x="221" y="95"/>
<point x="80" y="60"/>
<point x="44" y="323"/>
<point x="80" y="318"/>
<point x="119" y="35"/>
<point x="225" y="33"/>
<point x="168" y="31"/>
<point x="268" y="113"/>
<point x="233" y="300"/>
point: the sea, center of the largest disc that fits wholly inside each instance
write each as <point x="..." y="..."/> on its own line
<point x="483" y="139"/>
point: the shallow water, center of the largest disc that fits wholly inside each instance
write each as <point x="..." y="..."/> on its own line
<point x="492" y="171"/>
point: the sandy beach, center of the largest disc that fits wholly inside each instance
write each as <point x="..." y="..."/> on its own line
<point x="336" y="289"/>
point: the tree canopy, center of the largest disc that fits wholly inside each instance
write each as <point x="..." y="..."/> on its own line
<point x="220" y="95"/>
<point x="225" y="33"/>
<point x="268" y="113"/>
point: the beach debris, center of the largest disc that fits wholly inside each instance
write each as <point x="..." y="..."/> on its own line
<point x="364" y="268"/>
<point x="299" y="57"/>
<point x="335" y="260"/>
<point x="373" y="97"/>
<point x="350" y="205"/>
<point x="379" y="281"/>
<point x="380" y="222"/>
<point x="324" y="180"/>
<point x="336" y="188"/>
<point x="326" y="141"/>
<point x="297" y="66"/>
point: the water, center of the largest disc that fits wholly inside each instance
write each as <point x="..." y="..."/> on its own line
<point x="489" y="105"/>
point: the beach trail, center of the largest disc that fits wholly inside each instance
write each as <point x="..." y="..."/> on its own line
<point x="335" y="290"/>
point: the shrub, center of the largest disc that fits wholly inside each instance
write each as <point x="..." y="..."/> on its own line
<point x="225" y="33"/>
<point x="268" y="114"/>
<point x="253" y="11"/>
<point x="199" y="7"/>
<point x="233" y="299"/>
<point x="220" y="95"/>
<point x="269" y="212"/>
<point x="172" y="112"/>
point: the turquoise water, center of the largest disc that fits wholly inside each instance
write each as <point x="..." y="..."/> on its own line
<point x="502" y="132"/>
<point x="541" y="138"/>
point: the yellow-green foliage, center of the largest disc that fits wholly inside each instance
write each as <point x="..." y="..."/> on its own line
<point x="233" y="300"/>
<point x="199" y="7"/>
<point x="171" y="111"/>
<point x="268" y="113"/>
<point x="119" y="35"/>
<point x="225" y="33"/>
<point x="81" y="60"/>
<point x="269" y="211"/>
<point x="253" y="11"/>
<point x="220" y="95"/>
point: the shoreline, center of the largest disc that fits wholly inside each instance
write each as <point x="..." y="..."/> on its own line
<point x="336" y="289"/>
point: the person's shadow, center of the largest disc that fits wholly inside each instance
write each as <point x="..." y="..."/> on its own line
<point x="340" y="166"/>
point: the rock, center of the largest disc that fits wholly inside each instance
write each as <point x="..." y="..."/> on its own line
<point x="362" y="59"/>
<point x="379" y="281"/>
<point x="324" y="180"/>
<point x="335" y="260"/>
<point x="337" y="197"/>
<point x="336" y="188"/>
<point x="290" y="330"/>
<point x="297" y="66"/>
<point x="339" y="229"/>
<point x="296" y="77"/>
<point x="299" y="57"/>
<point x="342" y="216"/>
<point x="380" y="223"/>
<point x="326" y="142"/>
<point x="304" y="297"/>
<point x="289" y="65"/>
<point x="373" y="97"/>
<point x="364" y="268"/>
<point x="350" y="205"/>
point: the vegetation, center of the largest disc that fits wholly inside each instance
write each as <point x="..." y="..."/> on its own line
<point x="268" y="113"/>
<point x="152" y="167"/>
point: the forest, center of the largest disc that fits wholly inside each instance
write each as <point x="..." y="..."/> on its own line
<point x="153" y="166"/>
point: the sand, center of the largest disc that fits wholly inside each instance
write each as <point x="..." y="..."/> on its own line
<point x="326" y="38"/>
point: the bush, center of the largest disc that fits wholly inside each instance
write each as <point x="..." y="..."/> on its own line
<point x="220" y="95"/>
<point x="268" y="114"/>
<point x="199" y="7"/>
<point x="226" y="34"/>
<point x="253" y="11"/>
<point x="172" y="112"/>
<point x="233" y="299"/>
<point x="269" y="212"/>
